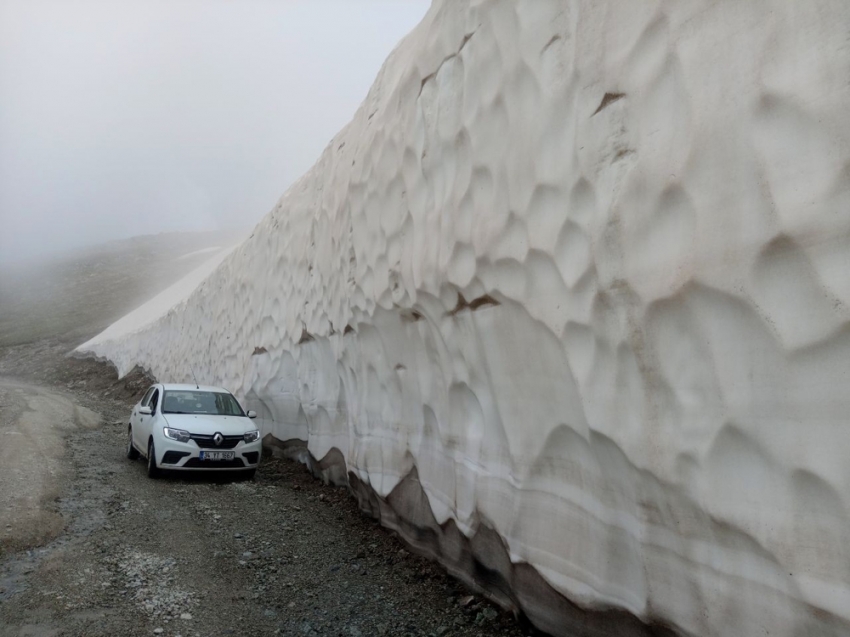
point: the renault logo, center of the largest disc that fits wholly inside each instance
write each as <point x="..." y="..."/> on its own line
<point x="218" y="439"/>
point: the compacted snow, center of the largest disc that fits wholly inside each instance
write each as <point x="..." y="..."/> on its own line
<point x="569" y="298"/>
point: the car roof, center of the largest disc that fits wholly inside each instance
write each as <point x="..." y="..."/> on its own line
<point x="191" y="387"/>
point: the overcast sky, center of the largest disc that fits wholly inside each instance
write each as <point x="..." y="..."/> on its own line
<point x="141" y="116"/>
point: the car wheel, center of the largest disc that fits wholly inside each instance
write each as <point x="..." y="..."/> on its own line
<point x="249" y="475"/>
<point x="153" y="470"/>
<point x="132" y="452"/>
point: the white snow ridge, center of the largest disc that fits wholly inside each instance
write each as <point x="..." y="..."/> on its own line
<point x="567" y="305"/>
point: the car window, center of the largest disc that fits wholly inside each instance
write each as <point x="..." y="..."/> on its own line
<point x="200" y="402"/>
<point x="147" y="396"/>
<point x="154" y="401"/>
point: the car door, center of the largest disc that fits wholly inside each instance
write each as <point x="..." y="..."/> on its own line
<point x="154" y="404"/>
<point x="135" y="419"/>
<point x="146" y="421"/>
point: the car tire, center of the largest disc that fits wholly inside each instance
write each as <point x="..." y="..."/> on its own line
<point x="153" y="470"/>
<point x="249" y="475"/>
<point x="132" y="452"/>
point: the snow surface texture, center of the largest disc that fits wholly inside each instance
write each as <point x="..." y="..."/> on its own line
<point x="580" y="268"/>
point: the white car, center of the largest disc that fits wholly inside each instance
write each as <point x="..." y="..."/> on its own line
<point x="193" y="428"/>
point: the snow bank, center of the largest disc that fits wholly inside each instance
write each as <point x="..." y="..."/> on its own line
<point x="570" y="297"/>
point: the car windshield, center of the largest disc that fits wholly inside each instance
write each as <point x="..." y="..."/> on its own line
<point x="187" y="401"/>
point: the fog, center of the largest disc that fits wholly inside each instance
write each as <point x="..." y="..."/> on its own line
<point x="139" y="117"/>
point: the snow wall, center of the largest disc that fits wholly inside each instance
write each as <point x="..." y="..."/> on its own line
<point x="567" y="303"/>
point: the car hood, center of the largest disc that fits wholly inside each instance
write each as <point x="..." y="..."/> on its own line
<point x="208" y="425"/>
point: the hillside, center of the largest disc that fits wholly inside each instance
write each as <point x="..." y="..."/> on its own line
<point x="79" y="294"/>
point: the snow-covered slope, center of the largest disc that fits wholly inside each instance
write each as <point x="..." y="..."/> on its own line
<point x="570" y="299"/>
<point x="168" y="300"/>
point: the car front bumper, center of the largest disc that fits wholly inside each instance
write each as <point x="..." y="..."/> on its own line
<point x="174" y="455"/>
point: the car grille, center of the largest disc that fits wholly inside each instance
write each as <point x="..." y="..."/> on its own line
<point x="197" y="463"/>
<point x="206" y="442"/>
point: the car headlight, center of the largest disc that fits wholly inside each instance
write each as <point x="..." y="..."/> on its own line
<point x="252" y="436"/>
<point x="176" y="434"/>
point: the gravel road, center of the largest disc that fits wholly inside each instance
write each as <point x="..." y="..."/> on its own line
<point x="33" y="422"/>
<point x="282" y="554"/>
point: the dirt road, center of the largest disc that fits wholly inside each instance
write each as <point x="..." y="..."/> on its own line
<point x="33" y="423"/>
<point x="282" y="554"/>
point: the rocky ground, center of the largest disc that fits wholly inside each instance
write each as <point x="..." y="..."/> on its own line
<point x="282" y="554"/>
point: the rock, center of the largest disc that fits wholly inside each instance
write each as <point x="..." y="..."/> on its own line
<point x="185" y="616"/>
<point x="486" y="615"/>
<point x="466" y="601"/>
<point x="156" y="631"/>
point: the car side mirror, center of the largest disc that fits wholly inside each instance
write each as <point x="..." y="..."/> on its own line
<point x="252" y="414"/>
<point x="145" y="411"/>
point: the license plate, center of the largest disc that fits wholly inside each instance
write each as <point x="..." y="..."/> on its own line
<point x="218" y="455"/>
